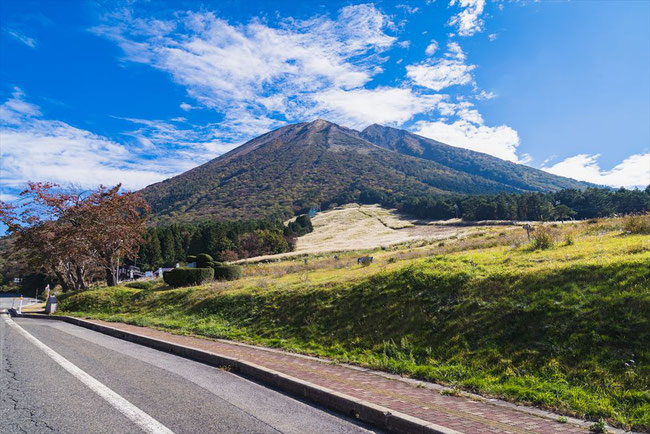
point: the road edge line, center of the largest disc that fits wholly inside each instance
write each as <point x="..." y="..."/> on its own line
<point x="368" y="412"/>
<point x="136" y="415"/>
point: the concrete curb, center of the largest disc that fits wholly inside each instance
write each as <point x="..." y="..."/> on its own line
<point x="375" y="415"/>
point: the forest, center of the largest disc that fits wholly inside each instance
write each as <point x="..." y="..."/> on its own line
<point x="223" y="240"/>
<point x="559" y="205"/>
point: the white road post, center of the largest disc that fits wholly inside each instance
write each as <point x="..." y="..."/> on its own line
<point x="20" y="305"/>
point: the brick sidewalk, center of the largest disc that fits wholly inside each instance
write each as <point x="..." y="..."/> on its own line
<point x="457" y="413"/>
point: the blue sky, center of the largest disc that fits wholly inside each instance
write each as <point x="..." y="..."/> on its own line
<point x="137" y="91"/>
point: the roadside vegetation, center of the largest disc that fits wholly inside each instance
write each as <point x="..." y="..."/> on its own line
<point x="560" y="321"/>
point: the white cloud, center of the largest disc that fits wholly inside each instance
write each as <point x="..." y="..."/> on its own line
<point x="493" y="37"/>
<point x="454" y="51"/>
<point x="431" y="48"/>
<point x="634" y="171"/>
<point x="30" y="42"/>
<point x="468" y="130"/>
<point x="237" y="68"/>
<point x="37" y="149"/>
<point x="468" y="21"/>
<point x="186" y="107"/>
<point x="440" y="73"/>
<point x="15" y="108"/>
<point x="408" y="9"/>
<point x="383" y="105"/>
<point x="500" y="141"/>
<point x="485" y="95"/>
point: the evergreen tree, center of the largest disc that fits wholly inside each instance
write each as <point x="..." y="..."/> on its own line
<point x="168" y="247"/>
<point x="150" y="255"/>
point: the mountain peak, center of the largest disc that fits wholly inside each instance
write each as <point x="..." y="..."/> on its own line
<point x="373" y="127"/>
<point x="319" y="124"/>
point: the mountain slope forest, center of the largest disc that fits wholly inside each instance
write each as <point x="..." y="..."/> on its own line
<point x="294" y="168"/>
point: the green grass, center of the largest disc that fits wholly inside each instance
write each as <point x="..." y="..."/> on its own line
<point x="565" y="328"/>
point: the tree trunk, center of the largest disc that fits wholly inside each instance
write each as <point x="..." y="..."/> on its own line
<point x="81" y="282"/>
<point x="64" y="285"/>
<point x="110" y="277"/>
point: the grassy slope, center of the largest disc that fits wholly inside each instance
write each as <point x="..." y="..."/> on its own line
<point x="554" y="328"/>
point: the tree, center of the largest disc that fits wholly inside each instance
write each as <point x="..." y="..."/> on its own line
<point x="49" y="234"/>
<point x="150" y="251"/>
<point x="563" y="212"/>
<point x="73" y="236"/>
<point x="114" y="225"/>
<point x="168" y="247"/>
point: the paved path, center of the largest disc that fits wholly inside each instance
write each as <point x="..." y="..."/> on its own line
<point x="457" y="413"/>
<point x="11" y="300"/>
<point x="112" y="386"/>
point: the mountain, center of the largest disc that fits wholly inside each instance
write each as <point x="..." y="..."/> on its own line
<point x="300" y="165"/>
<point x="516" y="176"/>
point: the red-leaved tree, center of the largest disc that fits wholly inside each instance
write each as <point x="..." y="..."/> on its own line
<point x="75" y="236"/>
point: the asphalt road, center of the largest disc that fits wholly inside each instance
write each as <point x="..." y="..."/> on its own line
<point x="92" y="383"/>
<point x="10" y="300"/>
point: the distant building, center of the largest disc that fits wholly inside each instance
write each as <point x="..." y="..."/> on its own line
<point x="159" y="272"/>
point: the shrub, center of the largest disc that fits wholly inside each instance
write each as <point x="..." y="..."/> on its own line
<point x="203" y="260"/>
<point x="543" y="238"/>
<point x="569" y="238"/>
<point x="227" y="272"/>
<point x="187" y="276"/>
<point x="301" y="226"/>
<point x="637" y="224"/>
<point x="228" y="255"/>
<point x="140" y="285"/>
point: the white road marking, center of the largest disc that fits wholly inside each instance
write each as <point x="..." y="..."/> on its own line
<point x="139" y="417"/>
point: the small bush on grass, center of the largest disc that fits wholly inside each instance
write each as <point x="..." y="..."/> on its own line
<point x="637" y="224"/>
<point x="187" y="276"/>
<point x="140" y="285"/>
<point x="569" y="238"/>
<point x="227" y="272"/>
<point x="543" y="238"/>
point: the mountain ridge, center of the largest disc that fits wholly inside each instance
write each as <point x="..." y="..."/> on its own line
<point x="319" y="162"/>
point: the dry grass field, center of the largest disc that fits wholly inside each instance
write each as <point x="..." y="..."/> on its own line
<point x="356" y="227"/>
<point x="364" y="227"/>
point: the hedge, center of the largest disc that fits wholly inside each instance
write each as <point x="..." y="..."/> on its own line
<point x="203" y="260"/>
<point x="184" y="276"/>
<point x="140" y="285"/>
<point x="227" y="272"/>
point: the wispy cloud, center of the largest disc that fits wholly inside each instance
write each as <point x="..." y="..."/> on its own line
<point x="254" y="67"/>
<point x="408" y="9"/>
<point x="35" y="148"/>
<point x="634" y="171"/>
<point x="30" y="42"/>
